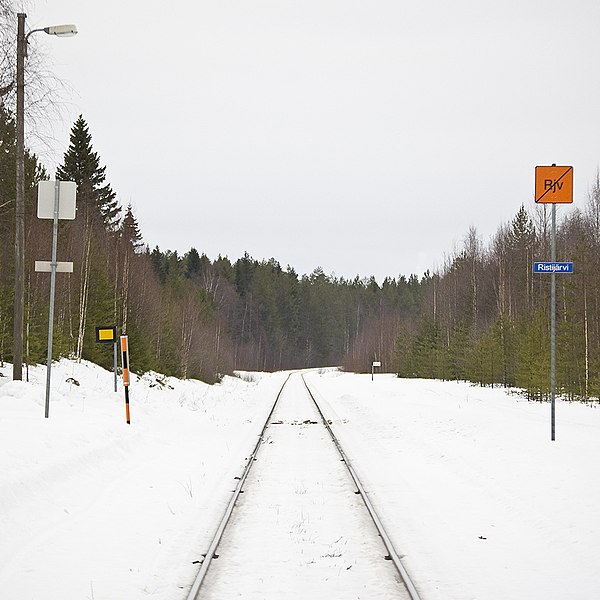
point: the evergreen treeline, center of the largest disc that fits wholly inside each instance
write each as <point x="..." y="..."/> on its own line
<point x="484" y="316"/>
<point x="185" y="315"/>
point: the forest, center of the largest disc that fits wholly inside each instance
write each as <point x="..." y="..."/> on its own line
<point x="185" y="315"/>
<point x="483" y="316"/>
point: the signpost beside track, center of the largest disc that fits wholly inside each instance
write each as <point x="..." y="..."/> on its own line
<point x="553" y="185"/>
<point x="56" y="200"/>
<point x="376" y="363"/>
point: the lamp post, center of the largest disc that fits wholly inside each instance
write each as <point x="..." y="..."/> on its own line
<point x="61" y="31"/>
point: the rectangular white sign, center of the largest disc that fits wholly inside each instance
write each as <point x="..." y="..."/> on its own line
<point x="66" y="199"/>
<point x="45" y="266"/>
<point x="376" y="363"/>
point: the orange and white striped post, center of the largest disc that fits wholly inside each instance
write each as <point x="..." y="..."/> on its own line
<point x="125" y="364"/>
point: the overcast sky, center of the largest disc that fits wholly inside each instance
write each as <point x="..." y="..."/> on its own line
<point x="362" y="137"/>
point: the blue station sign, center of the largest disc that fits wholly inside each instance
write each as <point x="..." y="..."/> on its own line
<point x="552" y="267"/>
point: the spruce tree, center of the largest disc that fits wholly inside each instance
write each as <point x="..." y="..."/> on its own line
<point x="7" y="159"/>
<point x="533" y="366"/>
<point x="157" y="259"/>
<point x="129" y="230"/>
<point x="193" y="263"/>
<point x="130" y="243"/>
<point x="34" y="172"/>
<point x="97" y="217"/>
<point x="82" y="165"/>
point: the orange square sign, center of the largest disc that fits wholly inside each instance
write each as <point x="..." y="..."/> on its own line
<point x="554" y="185"/>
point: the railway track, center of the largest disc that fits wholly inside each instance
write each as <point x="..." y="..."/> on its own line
<point x="300" y="528"/>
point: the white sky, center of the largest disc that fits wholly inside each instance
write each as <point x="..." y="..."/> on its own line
<point x="362" y="137"/>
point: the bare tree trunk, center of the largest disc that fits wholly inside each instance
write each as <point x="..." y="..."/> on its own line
<point x="473" y="249"/>
<point x="157" y="352"/>
<point x="244" y="319"/>
<point x="188" y="328"/>
<point x="218" y="344"/>
<point x="125" y="290"/>
<point x="84" y="291"/>
<point x="116" y="287"/>
<point x="380" y="328"/>
<point x="586" y="338"/>
<point x="434" y="298"/>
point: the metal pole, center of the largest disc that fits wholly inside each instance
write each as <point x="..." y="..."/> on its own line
<point x="553" y="327"/>
<point x="53" y="265"/>
<point x="19" y="204"/>
<point x="115" y="362"/>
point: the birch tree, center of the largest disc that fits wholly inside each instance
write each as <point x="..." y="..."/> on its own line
<point x="98" y="212"/>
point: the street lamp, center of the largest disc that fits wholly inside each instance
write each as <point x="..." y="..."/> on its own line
<point x="60" y="31"/>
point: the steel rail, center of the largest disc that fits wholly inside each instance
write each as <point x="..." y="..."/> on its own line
<point x="392" y="554"/>
<point x="210" y="554"/>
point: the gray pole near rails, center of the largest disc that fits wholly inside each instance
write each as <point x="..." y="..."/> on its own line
<point x="553" y="328"/>
<point x="115" y="362"/>
<point x="53" y="266"/>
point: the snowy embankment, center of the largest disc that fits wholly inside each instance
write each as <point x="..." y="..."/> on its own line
<point x="474" y="494"/>
<point x="480" y="502"/>
<point x="91" y="507"/>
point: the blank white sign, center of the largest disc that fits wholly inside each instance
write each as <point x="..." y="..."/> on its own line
<point x="45" y="266"/>
<point x="66" y="199"/>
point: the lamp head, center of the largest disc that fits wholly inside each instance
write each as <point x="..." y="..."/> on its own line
<point x="61" y="30"/>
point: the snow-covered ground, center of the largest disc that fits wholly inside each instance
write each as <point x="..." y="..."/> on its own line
<point x="480" y="503"/>
<point x="91" y="507"/>
<point x="478" y="500"/>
